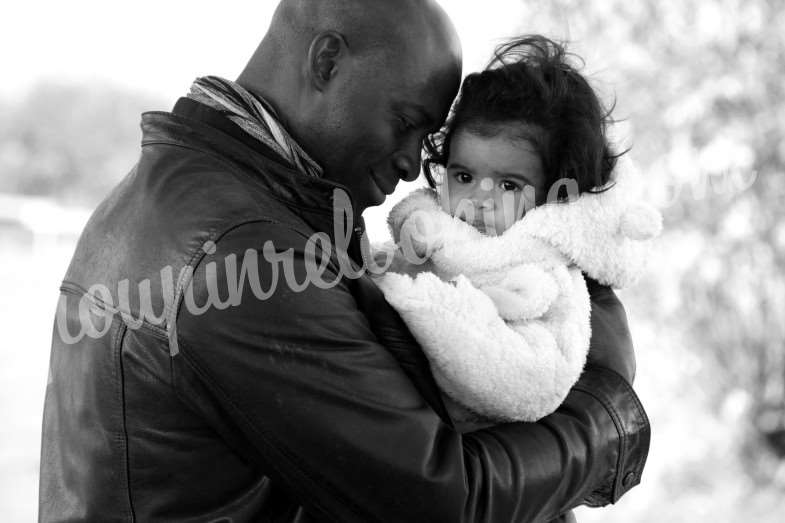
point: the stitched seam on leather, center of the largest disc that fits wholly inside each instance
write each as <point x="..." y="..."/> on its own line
<point x="205" y="375"/>
<point x="601" y="495"/>
<point x="193" y="262"/>
<point x="171" y="315"/>
<point x="177" y="304"/>
<point x="622" y="439"/>
<point x="642" y="416"/>
<point x="77" y="290"/>
<point x="638" y="467"/>
<point x="636" y="401"/>
<point x="118" y="346"/>
<point x="272" y="445"/>
<point x="152" y="376"/>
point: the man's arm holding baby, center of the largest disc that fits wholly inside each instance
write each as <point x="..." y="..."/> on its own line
<point x="600" y="425"/>
<point x="315" y="399"/>
<point x="600" y="431"/>
<point x="611" y="362"/>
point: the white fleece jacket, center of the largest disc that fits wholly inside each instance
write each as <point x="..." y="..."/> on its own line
<point x="504" y="320"/>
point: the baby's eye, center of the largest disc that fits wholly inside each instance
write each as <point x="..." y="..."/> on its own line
<point x="510" y="186"/>
<point x="463" y="177"/>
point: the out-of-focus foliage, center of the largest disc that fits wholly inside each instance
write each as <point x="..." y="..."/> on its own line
<point x="72" y="142"/>
<point x="701" y="88"/>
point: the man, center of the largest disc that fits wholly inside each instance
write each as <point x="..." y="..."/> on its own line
<point x="177" y="393"/>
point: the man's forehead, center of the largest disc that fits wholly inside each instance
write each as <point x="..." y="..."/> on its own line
<point x="416" y="55"/>
<point x="422" y="37"/>
<point x="429" y="94"/>
<point x="442" y="81"/>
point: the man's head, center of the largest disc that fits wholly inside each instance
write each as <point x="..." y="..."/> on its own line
<point x="359" y="83"/>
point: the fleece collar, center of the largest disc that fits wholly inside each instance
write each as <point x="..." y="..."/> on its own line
<point x="607" y="234"/>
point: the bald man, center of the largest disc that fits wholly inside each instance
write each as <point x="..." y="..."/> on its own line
<point x="218" y="353"/>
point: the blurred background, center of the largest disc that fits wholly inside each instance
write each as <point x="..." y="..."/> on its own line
<point x="699" y="90"/>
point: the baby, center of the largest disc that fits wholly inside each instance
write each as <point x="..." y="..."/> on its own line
<point x="526" y="197"/>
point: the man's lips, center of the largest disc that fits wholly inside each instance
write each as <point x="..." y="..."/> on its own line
<point x="386" y="186"/>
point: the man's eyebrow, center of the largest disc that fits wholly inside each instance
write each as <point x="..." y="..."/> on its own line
<point x="427" y="120"/>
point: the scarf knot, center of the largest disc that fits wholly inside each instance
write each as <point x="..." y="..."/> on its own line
<point x="256" y="117"/>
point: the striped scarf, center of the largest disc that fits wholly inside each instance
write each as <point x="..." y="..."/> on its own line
<point x="255" y="117"/>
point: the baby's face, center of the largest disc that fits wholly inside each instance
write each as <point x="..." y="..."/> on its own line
<point x="491" y="182"/>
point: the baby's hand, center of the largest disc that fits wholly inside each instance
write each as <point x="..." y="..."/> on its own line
<point x="526" y="292"/>
<point x="421" y="235"/>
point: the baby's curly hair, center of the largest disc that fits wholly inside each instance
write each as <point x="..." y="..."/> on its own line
<point x="530" y="83"/>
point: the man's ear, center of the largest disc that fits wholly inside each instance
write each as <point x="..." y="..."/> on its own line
<point x="324" y="56"/>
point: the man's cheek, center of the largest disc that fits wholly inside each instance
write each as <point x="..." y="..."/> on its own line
<point x="378" y="148"/>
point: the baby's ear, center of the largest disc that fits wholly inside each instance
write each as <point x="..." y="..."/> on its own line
<point x="640" y="221"/>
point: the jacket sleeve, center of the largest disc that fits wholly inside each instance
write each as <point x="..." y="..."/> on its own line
<point x="299" y="382"/>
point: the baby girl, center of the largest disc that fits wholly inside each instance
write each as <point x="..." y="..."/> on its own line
<point x="526" y="201"/>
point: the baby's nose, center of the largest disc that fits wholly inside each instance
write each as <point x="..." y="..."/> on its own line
<point x="484" y="202"/>
<point x="484" y="197"/>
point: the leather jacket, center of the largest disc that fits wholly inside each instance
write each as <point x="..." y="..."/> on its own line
<point x="298" y="405"/>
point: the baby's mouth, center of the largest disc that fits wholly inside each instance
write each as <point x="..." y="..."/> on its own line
<point x="481" y="226"/>
<point x="488" y="231"/>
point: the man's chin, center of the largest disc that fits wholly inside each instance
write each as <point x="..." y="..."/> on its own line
<point x="370" y="198"/>
<point x="368" y="195"/>
<point x="378" y="194"/>
<point x="374" y="203"/>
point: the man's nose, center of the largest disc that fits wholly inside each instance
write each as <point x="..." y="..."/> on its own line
<point x="407" y="169"/>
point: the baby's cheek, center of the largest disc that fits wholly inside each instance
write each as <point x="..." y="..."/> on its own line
<point x="509" y="209"/>
<point x="451" y="197"/>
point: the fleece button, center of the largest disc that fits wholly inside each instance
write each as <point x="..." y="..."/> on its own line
<point x="628" y="479"/>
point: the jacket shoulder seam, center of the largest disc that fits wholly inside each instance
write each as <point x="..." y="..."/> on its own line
<point x="74" y="289"/>
<point x="194" y="261"/>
